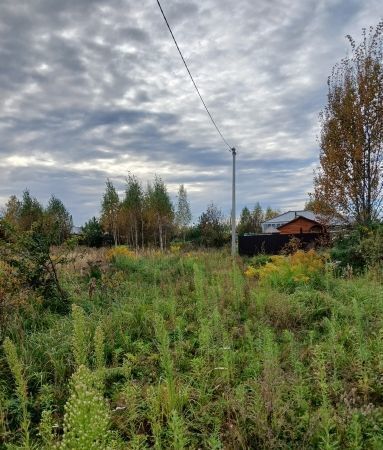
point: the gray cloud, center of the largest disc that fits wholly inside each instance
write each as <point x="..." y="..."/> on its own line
<point x="95" y="89"/>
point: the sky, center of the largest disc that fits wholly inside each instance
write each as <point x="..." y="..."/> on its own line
<point x="93" y="89"/>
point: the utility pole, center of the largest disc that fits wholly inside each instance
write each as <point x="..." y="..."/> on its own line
<point x="233" y="231"/>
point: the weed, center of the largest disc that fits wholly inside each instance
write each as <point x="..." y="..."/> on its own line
<point x="17" y="369"/>
<point x="189" y="353"/>
<point x="86" y="419"/>
<point x="80" y="339"/>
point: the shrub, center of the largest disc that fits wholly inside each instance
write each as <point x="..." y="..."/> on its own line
<point x="372" y="246"/>
<point x="28" y="254"/>
<point x="347" y="251"/>
<point x="292" y="246"/>
<point x="92" y="234"/>
<point x="260" y="260"/>
<point x="362" y="247"/>
<point x="9" y="281"/>
<point x="288" y="272"/>
<point x="13" y="295"/>
<point x="121" y="251"/>
<point x="251" y="272"/>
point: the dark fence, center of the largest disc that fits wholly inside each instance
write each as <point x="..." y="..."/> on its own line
<point x="273" y="243"/>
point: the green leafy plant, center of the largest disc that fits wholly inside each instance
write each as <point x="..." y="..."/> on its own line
<point x="87" y="418"/>
<point x="29" y="254"/>
<point x="80" y="338"/>
<point x="16" y="366"/>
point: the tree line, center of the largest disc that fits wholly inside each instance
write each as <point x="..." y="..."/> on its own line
<point x="140" y="217"/>
<point x="251" y="221"/>
<point x="143" y="217"/>
<point x="54" y="221"/>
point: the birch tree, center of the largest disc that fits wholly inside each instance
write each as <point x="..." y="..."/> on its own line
<point x="110" y="207"/>
<point x="183" y="214"/>
<point x="57" y="220"/>
<point x="245" y="222"/>
<point x="133" y="206"/>
<point x="161" y="208"/>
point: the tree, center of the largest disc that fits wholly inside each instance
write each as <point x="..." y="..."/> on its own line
<point x="212" y="227"/>
<point x="310" y="205"/>
<point x="28" y="253"/>
<point x="271" y="213"/>
<point x="132" y="206"/>
<point x="183" y="214"/>
<point x="257" y="218"/>
<point x="251" y="222"/>
<point x="110" y="207"/>
<point x="160" y="208"/>
<point x="245" y="222"/>
<point x="349" y="181"/>
<point x="57" y="220"/>
<point x="30" y="211"/>
<point x="92" y="233"/>
<point x="11" y="212"/>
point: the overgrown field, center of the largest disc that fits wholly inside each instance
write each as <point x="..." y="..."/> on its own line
<point x="195" y="351"/>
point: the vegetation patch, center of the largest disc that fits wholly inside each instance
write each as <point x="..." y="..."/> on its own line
<point x="184" y="350"/>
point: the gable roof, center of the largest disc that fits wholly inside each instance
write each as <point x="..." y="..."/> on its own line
<point x="297" y="218"/>
<point x="289" y="216"/>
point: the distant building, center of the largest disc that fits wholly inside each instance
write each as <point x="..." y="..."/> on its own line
<point x="272" y="225"/>
<point x="305" y="220"/>
<point x="301" y="225"/>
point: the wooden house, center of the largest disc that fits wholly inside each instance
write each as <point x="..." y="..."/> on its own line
<point x="301" y="224"/>
<point x="272" y="225"/>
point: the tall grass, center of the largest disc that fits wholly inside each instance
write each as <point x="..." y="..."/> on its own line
<point x="187" y="351"/>
<point x="16" y="366"/>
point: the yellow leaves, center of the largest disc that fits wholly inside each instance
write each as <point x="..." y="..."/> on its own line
<point x="277" y="259"/>
<point x="121" y="250"/>
<point x="300" y="278"/>
<point x="175" y="248"/>
<point x="251" y="272"/>
<point x="298" y="268"/>
<point x="9" y="280"/>
<point x="5" y="269"/>
<point x="310" y="260"/>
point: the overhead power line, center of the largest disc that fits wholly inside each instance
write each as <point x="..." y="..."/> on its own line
<point x="231" y="149"/>
<point x="191" y="77"/>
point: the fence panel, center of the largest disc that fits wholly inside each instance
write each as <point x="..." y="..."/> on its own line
<point x="273" y="243"/>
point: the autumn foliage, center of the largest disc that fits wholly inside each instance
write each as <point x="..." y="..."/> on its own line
<point x="349" y="181"/>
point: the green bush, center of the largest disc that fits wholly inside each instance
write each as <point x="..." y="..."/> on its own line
<point x="260" y="260"/>
<point x="29" y="254"/>
<point x="360" y="248"/>
<point x="372" y="246"/>
<point x="92" y="234"/>
<point x="286" y="273"/>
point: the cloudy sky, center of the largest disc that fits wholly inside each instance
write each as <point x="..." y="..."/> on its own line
<point x="91" y="89"/>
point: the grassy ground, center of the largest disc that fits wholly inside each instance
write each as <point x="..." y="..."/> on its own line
<point x="185" y="351"/>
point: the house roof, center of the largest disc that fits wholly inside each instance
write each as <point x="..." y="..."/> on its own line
<point x="289" y="216"/>
<point x="297" y="218"/>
